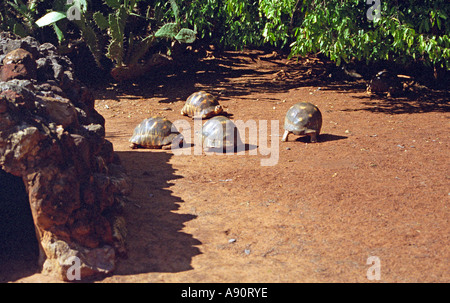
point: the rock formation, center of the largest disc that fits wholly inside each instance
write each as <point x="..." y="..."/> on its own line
<point x="52" y="137"/>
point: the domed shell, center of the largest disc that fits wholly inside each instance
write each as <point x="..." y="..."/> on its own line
<point x="220" y="133"/>
<point x="303" y="118"/>
<point x="154" y="132"/>
<point x="201" y="105"/>
<point x="384" y="82"/>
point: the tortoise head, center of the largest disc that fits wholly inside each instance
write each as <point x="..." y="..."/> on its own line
<point x="178" y="141"/>
<point x="218" y="109"/>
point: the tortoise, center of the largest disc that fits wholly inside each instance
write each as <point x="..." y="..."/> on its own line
<point x="201" y="105"/>
<point x="303" y="118"/>
<point x="155" y="132"/>
<point x="220" y="133"/>
<point x="385" y="82"/>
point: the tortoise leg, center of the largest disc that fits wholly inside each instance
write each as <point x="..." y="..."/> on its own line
<point x="285" y="136"/>
<point x="313" y="137"/>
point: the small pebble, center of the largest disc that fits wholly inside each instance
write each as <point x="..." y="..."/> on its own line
<point x="247" y="251"/>
<point x="231" y="240"/>
<point x="226" y="180"/>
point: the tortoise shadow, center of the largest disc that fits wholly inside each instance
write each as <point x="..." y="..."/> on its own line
<point x="321" y="138"/>
<point x="237" y="149"/>
<point x="248" y="147"/>
<point x="227" y="114"/>
<point x="330" y="137"/>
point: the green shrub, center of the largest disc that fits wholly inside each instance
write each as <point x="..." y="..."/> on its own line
<point x="226" y="23"/>
<point x="406" y="32"/>
<point x="278" y="19"/>
<point x="124" y="46"/>
<point x="19" y="16"/>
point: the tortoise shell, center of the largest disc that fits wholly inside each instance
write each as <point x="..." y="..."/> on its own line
<point x="201" y="105"/>
<point x="154" y="132"/>
<point x="303" y="118"/>
<point x="220" y="133"/>
<point x="384" y="82"/>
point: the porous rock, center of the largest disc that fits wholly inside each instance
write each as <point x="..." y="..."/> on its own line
<point x="52" y="137"/>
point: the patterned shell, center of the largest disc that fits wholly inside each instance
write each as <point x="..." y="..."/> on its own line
<point x="384" y="82"/>
<point x="303" y="118"/>
<point x="220" y="133"/>
<point x="154" y="132"/>
<point x="201" y="105"/>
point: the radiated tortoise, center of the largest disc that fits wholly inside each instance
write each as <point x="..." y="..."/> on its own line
<point x="303" y="118"/>
<point x="201" y="105"/>
<point x="220" y="133"/>
<point x="385" y="82"/>
<point x="155" y="132"/>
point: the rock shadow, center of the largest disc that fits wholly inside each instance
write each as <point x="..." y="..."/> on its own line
<point x="155" y="241"/>
<point x="18" y="244"/>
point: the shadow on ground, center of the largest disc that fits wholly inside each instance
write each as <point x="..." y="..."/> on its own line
<point x="175" y="83"/>
<point x="155" y="241"/>
<point x="418" y="101"/>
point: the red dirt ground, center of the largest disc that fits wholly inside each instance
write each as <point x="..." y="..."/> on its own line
<point x="376" y="185"/>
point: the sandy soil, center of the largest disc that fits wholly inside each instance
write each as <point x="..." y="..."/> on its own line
<point x="375" y="185"/>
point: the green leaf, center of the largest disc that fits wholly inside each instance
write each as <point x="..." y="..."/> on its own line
<point x="438" y="21"/>
<point x="169" y="31"/>
<point x="427" y="26"/>
<point x="58" y="32"/>
<point x="101" y="20"/>
<point x="113" y="3"/>
<point x="175" y="9"/>
<point x="91" y="39"/>
<point x="19" y="30"/>
<point x="141" y="49"/>
<point x="185" y="35"/>
<point x="50" y="18"/>
<point x="410" y="41"/>
<point x="115" y="51"/>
